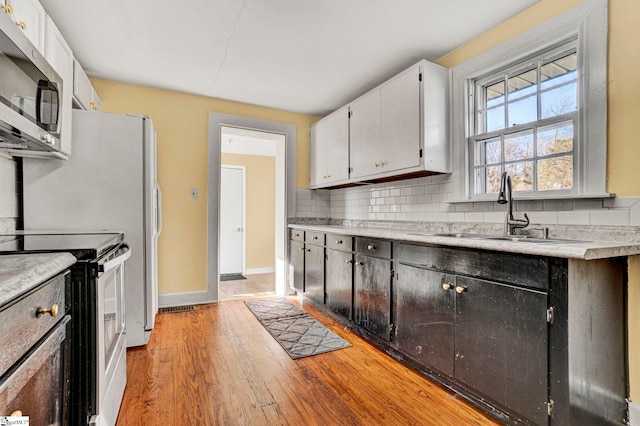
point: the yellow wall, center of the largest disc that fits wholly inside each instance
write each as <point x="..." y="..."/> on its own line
<point x="623" y="98"/>
<point x="261" y="208"/>
<point x="181" y="121"/>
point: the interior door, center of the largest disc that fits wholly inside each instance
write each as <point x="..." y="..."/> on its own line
<point x="232" y="202"/>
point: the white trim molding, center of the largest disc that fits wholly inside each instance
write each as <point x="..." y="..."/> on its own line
<point x="634" y="413"/>
<point x="253" y="271"/>
<point x="184" y="298"/>
<point x="588" y="23"/>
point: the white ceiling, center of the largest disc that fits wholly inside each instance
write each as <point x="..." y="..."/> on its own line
<point x="308" y="56"/>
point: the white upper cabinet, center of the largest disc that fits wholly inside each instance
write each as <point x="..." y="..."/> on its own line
<point x="364" y="135"/>
<point x="397" y="130"/>
<point x="329" y="150"/>
<point x="84" y="94"/>
<point x="58" y="53"/>
<point x="29" y="16"/>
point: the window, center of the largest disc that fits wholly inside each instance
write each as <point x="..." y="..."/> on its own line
<point x="535" y="107"/>
<point x="524" y="123"/>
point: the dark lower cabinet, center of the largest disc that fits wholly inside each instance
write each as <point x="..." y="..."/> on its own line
<point x="424" y="316"/>
<point x="296" y="262"/>
<point x="314" y="273"/>
<point x="372" y="295"/>
<point x="339" y="282"/>
<point x="501" y="345"/>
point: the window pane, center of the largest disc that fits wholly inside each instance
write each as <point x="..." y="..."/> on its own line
<point x="494" y="94"/>
<point x="493" y="179"/>
<point x="555" y="139"/>
<point x="495" y="119"/>
<point x="523" y="111"/>
<point x="518" y="146"/>
<point x="560" y="100"/>
<point x="521" y="175"/>
<point x="523" y="84"/>
<point x="555" y="173"/>
<point x="559" y="71"/>
<point x="488" y="151"/>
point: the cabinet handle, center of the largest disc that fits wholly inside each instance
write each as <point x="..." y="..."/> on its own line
<point x="338" y="241"/>
<point x="53" y="310"/>
<point x="7" y="8"/>
<point x="371" y="247"/>
<point x="446" y="287"/>
<point x="376" y="165"/>
<point x="348" y="262"/>
<point x="357" y="263"/>
<point x="297" y="235"/>
<point x="22" y="25"/>
<point x="17" y="413"/>
<point x="301" y="249"/>
<point x="383" y="163"/>
<point x="460" y="289"/>
<point x="315" y="237"/>
<point x="307" y="250"/>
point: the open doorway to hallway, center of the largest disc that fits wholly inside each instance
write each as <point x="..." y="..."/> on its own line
<point x="250" y="190"/>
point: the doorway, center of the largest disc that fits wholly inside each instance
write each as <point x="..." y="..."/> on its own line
<point x="284" y="141"/>
<point x="232" y="221"/>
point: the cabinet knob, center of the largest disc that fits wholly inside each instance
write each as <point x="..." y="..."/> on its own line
<point x="53" y="310"/>
<point x="7" y="8"/>
<point x="301" y="249"/>
<point x="446" y="287"/>
<point x="22" y="25"/>
<point x="348" y="262"/>
<point x="383" y="163"/>
<point x="315" y="237"/>
<point x="376" y="165"/>
<point x="338" y="241"/>
<point x="460" y="289"/>
<point x="371" y="247"/>
<point x="358" y="263"/>
<point x="307" y="250"/>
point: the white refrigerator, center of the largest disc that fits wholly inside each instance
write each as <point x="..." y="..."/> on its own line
<point x="109" y="183"/>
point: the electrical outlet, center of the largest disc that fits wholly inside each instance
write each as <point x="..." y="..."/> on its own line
<point x="194" y="193"/>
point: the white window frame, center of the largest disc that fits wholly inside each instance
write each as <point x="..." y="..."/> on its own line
<point x="587" y="24"/>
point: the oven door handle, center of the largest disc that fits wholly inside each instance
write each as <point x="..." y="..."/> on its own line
<point x="107" y="266"/>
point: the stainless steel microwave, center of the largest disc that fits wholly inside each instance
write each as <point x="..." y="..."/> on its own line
<point x="30" y="95"/>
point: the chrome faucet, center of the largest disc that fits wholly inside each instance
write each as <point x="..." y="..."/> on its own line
<point x="505" y="197"/>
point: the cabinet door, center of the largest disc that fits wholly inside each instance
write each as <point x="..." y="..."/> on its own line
<point x="329" y="149"/>
<point x="296" y="262"/>
<point x="339" y="282"/>
<point x="38" y="386"/>
<point x="501" y="345"/>
<point x="81" y="86"/>
<point x="364" y="135"/>
<point x="314" y="273"/>
<point x="29" y="16"/>
<point x="59" y="55"/>
<point x="424" y="316"/>
<point x="400" y="121"/>
<point x="372" y="294"/>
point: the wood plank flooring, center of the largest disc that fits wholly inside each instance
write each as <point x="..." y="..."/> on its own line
<point x="218" y="366"/>
<point x="256" y="285"/>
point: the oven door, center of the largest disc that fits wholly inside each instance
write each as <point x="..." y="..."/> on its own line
<point x="111" y="339"/>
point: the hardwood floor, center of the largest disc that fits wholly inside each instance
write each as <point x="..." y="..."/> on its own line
<point x="256" y="285"/>
<point x="218" y="366"/>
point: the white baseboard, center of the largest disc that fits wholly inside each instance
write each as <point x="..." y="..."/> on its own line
<point x="270" y="270"/>
<point x="181" y="299"/>
<point x="634" y="413"/>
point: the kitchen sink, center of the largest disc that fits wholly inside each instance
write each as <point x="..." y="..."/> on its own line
<point x="510" y="238"/>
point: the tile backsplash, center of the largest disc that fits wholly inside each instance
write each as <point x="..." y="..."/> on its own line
<point x="8" y="194"/>
<point x="425" y="200"/>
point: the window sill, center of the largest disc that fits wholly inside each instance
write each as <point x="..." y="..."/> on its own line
<point x="519" y="197"/>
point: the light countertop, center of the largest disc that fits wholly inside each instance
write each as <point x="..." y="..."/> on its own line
<point x="19" y="273"/>
<point x="572" y="249"/>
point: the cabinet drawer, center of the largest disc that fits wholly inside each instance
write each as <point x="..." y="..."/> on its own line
<point x="340" y="242"/>
<point x="20" y="324"/>
<point x="528" y="271"/>
<point x="315" y="238"/>
<point x="296" y="235"/>
<point x="373" y="247"/>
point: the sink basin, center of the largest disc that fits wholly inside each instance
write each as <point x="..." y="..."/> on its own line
<point x="510" y="238"/>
